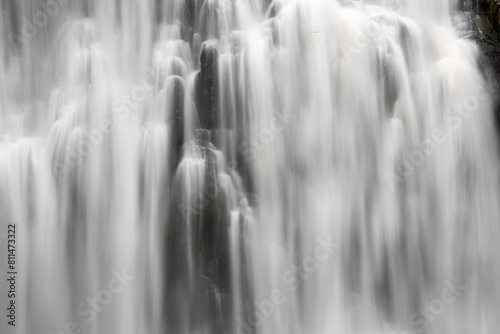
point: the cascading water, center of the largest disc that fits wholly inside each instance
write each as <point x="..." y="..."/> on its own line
<point x="245" y="166"/>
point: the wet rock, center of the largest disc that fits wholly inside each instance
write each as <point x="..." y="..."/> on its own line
<point x="197" y="245"/>
<point x="386" y="73"/>
<point x="488" y="41"/>
<point x="175" y="117"/>
<point x="493" y="13"/>
<point x="207" y="87"/>
<point x="176" y="107"/>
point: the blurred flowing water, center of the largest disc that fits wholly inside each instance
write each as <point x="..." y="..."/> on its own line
<point x="252" y="166"/>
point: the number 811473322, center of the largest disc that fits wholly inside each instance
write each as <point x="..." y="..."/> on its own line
<point x="11" y="247"/>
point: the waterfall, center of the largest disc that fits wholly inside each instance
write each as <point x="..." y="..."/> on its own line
<point x="246" y="166"/>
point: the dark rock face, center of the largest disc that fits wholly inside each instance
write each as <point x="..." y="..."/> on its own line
<point x="489" y="44"/>
<point x="175" y="118"/>
<point x="207" y="87"/>
<point x="197" y="250"/>
<point x="197" y="247"/>
<point x="491" y="9"/>
<point x="176" y="108"/>
<point x="389" y="84"/>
